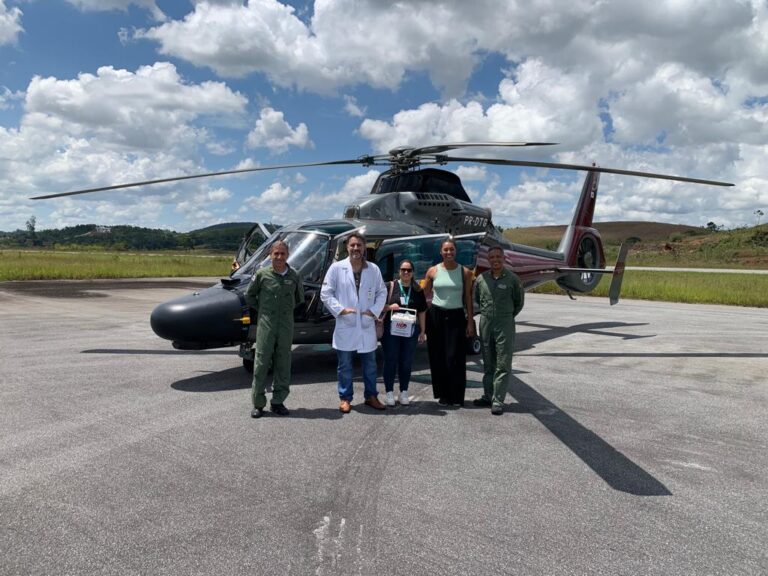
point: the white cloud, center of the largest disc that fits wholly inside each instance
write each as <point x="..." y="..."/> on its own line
<point x="354" y="187"/>
<point x="150" y="109"/>
<point x="672" y="122"/>
<point x="531" y="203"/>
<point x="676" y="86"/>
<point x="284" y="204"/>
<point x="611" y="43"/>
<point x="278" y="203"/>
<point x="204" y="207"/>
<point x="266" y="36"/>
<point x="111" y="127"/>
<point x="219" y="148"/>
<point x="537" y="104"/>
<point x="273" y="132"/>
<point x="7" y="97"/>
<point x="108" y="5"/>
<point x="10" y="23"/>
<point x="471" y="173"/>
<point x="681" y="107"/>
<point x="353" y="108"/>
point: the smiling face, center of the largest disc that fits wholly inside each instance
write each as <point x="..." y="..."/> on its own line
<point x="448" y="252"/>
<point x="279" y="255"/>
<point x="406" y="272"/>
<point x="496" y="259"/>
<point x="355" y="249"/>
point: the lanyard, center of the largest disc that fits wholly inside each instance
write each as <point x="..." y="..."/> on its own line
<point x="405" y="297"/>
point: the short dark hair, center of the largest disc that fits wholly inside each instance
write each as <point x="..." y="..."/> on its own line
<point x="493" y="248"/>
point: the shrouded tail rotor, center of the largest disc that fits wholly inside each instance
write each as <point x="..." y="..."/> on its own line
<point x="589" y="255"/>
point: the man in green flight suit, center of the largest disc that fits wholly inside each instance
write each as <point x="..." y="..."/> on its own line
<point x="273" y="294"/>
<point x="500" y="296"/>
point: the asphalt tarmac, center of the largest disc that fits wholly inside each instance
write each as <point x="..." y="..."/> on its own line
<point x="634" y="442"/>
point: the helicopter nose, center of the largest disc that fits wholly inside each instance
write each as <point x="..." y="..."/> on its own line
<point x="206" y="319"/>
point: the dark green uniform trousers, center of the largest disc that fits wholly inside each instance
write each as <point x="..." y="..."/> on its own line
<point x="498" y="338"/>
<point x="273" y="297"/>
<point x="499" y="301"/>
<point x="273" y="348"/>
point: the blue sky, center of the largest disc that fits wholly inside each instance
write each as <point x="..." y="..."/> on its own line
<point x="99" y="92"/>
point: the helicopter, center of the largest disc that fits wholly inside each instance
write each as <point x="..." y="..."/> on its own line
<point x="411" y="209"/>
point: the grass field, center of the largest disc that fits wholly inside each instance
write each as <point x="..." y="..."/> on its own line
<point x="694" y="287"/>
<point x="671" y="245"/>
<point x="53" y="265"/>
<point x="689" y="287"/>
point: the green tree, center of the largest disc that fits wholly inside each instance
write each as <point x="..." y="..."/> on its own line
<point x="31" y="224"/>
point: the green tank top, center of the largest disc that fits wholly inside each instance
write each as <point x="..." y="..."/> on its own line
<point x="447" y="288"/>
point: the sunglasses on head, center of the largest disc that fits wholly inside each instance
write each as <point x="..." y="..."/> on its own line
<point x="406" y="269"/>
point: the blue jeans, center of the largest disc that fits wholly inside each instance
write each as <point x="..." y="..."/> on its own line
<point x="398" y="358"/>
<point x="344" y="372"/>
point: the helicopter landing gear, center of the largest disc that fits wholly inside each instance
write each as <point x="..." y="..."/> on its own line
<point x="246" y="353"/>
<point x="474" y="346"/>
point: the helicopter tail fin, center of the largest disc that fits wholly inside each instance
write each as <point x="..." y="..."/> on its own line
<point x="581" y="245"/>
<point x="582" y="218"/>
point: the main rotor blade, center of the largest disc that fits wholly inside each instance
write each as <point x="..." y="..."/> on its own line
<point x="411" y="152"/>
<point x="190" y="177"/>
<point x="559" y="166"/>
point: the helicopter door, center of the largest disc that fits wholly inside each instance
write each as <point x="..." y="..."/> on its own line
<point x="252" y="239"/>
<point x="424" y="252"/>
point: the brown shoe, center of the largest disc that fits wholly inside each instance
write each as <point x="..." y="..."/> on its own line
<point x="374" y="403"/>
<point x="345" y="406"/>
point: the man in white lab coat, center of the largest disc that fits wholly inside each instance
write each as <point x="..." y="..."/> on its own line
<point x="354" y="292"/>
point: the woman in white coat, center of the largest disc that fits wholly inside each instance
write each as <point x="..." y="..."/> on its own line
<point x="354" y="292"/>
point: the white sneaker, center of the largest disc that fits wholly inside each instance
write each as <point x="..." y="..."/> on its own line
<point x="390" y="400"/>
<point x="403" y="398"/>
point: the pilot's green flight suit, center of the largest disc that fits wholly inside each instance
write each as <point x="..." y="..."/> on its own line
<point x="273" y="296"/>
<point x="499" y="301"/>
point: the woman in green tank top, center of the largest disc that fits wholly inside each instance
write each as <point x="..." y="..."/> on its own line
<point x="449" y="322"/>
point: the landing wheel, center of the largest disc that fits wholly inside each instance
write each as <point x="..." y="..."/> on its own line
<point x="474" y="346"/>
<point x="248" y="365"/>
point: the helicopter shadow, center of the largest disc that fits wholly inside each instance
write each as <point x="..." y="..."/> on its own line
<point x="530" y="338"/>
<point x="618" y="471"/>
<point x="134" y="351"/>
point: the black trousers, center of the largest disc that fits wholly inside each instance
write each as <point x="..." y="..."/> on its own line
<point x="446" y="344"/>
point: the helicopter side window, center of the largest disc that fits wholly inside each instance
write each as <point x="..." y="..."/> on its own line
<point x="306" y="254"/>
<point x="309" y="259"/>
<point x="423" y="252"/>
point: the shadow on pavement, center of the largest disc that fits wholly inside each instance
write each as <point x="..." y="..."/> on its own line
<point x="222" y="381"/>
<point x="618" y="471"/>
<point x="312" y="365"/>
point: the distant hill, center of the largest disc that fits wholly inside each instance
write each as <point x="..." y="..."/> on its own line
<point x="666" y="244"/>
<point x="611" y="232"/>
<point x="225" y="226"/>
<point x="661" y="244"/>
<point x="225" y="237"/>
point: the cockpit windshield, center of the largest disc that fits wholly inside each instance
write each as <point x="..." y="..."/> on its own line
<point x="307" y="252"/>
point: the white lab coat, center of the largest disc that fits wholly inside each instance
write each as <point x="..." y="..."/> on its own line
<point x="354" y="332"/>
